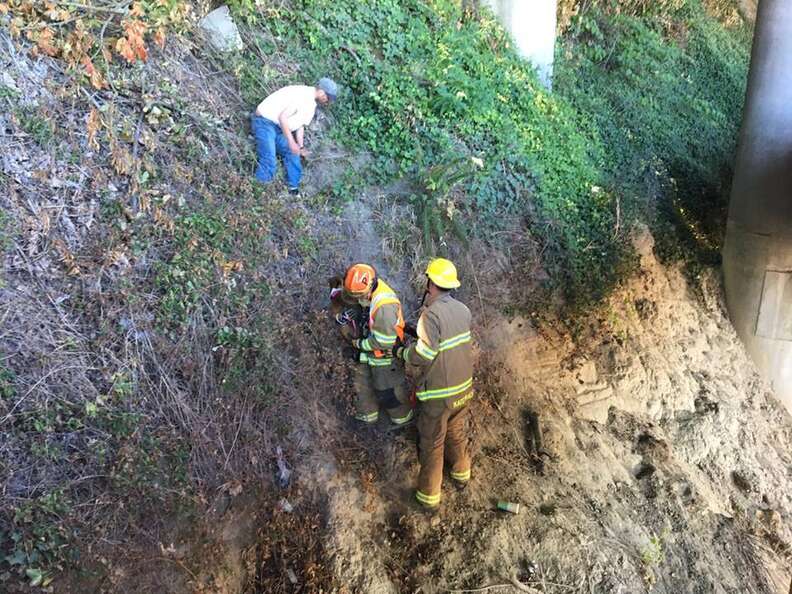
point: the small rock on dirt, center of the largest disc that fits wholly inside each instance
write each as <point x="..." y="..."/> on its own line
<point x="587" y="373"/>
<point x="221" y="30"/>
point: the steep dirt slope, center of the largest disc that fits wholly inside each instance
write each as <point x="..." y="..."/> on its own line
<point x="670" y="466"/>
<point x="669" y="461"/>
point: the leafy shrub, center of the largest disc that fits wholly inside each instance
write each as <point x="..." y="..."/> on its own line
<point x="436" y="209"/>
<point x="664" y="93"/>
<point x="75" y="33"/>
<point x="424" y="87"/>
<point x="35" y="543"/>
<point x="655" y="88"/>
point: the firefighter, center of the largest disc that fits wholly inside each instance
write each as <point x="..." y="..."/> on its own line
<point x="441" y="364"/>
<point x="379" y="380"/>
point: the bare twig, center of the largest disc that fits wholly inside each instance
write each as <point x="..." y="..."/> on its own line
<point x="617" y="227"/>
<point x="91" y="98"/>
<point x="352" y="53"/>
<point x="136" y="161"/>
<point x="512" y="583"/>
<point x="478" y="288"/>
<point x="117" y="9"/>
<point x="483" y="589"/>
<point x="36" y="385"/>
<point x="239" y="428"/>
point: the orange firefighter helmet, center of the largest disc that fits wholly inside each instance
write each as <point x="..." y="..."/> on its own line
<point x="359" y="280"/>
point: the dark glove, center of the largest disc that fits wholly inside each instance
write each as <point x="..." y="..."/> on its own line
<point x="398" y="350"/>
<point x="348" y="332"/>
<point x="410" y="330"/>
<point x="352" y="353"/>
<point x="345" y="317"/>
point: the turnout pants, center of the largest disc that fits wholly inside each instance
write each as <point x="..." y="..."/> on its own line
<point x="442" y="435"/>
<point x="381" y="386"/>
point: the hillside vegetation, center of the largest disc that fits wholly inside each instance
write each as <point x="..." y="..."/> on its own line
<point x="642" y="124"/>
<point x="160" y="309"/>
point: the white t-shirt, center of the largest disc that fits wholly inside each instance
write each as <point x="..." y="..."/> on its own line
<point x="299" y="101"/>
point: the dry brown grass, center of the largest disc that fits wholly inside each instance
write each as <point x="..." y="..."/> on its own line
<point x="131" y="419"/>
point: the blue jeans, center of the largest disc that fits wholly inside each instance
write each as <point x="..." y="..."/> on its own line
<point x="270" y="142"/>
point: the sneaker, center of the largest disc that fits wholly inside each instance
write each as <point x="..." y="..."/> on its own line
<point x="294" y="192"/>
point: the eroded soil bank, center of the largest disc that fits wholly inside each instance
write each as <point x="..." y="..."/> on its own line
<point x="667" y="466"/>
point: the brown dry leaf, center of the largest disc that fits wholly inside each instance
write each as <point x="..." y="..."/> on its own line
<point x="137" y="10"/>
<point x="72" y="269"/>
<point x="133" y="46"/>
<point x="97" y="80"/>
<point x="121" y="159"/>
<point x="159" y="37"/>
<point x="15" y="27"/>
<point x="41" y="175"/>
<point x="45" y="42"/>
<point x="125" y="50"/>
<point x="136" y="31"/>
<point x="231" y="266"/>
<point x="162" y="219"/>
<point x="141" y="52"/>
<point x="44" y="219"/>
<point x="93" y="125"/>
<point x="116" y="256"/>
<point x="53" y="13"/>
<point x="79" y="44"/>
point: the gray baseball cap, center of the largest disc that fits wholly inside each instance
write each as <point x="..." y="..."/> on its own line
<point x="329" y="86"/>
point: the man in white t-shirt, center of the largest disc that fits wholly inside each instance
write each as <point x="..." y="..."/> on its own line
<point x="279" y="127"/>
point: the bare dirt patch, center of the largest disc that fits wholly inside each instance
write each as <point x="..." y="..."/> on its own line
<point x="646" y="416"/>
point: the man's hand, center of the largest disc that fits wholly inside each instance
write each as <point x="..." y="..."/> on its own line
<point x="305" y="153"/>
<point x="283" y="120"/>
<point x="299" y="137"/>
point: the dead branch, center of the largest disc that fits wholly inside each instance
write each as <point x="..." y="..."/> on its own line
<point x="121" y="8"/>
<point x="512" y="583"/>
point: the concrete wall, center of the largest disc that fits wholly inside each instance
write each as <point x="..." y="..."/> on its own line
<point x="532" y="24"/>
<point x="757" y="256"/>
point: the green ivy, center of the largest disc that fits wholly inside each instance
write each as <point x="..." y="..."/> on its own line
<point x="664" y="93"/>
<point x="424" y="86"/>
<point x="36" y="540"/>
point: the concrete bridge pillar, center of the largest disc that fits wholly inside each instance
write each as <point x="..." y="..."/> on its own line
<point x="532" y="25"/>
<point x="757" y="255"/>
